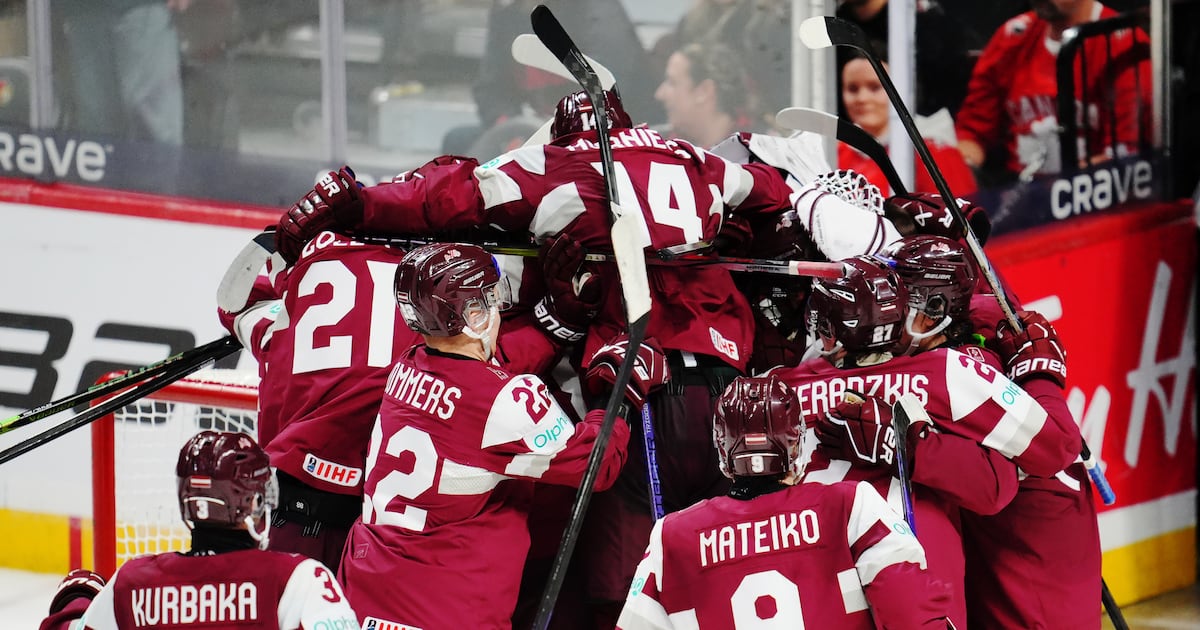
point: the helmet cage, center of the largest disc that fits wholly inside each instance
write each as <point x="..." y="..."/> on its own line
<point x="940" y="278"/>
<point x="757" y="428"/>
<point x="443" y="289"/>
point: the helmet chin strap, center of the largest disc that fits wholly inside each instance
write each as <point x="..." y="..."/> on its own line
<point x="485" y="335"/>
<point x="917" y="337"/>
<point x="263" y="537"/>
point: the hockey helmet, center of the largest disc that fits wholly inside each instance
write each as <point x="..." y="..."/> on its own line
<point x="863" y="311"/>
<point x="444" y="288"/>
<point x="757" y="427"/>
<point x="225" y="479"/>
<point x="939" y="275"/>
<point x="575" y="114"/>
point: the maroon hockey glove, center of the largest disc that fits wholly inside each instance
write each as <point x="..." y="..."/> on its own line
<point x="572" y="296"/>
<point x="859" y="430"/>
<point x="77" y="583"/>
<point x="333" y="203"/>
<point x="926" y="213"/>
<point x="650" y="370"/>
<point x="1035" y="351"/>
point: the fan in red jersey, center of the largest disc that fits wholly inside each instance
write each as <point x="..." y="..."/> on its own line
<point x="226" y="490"/>
<point x="455" y="452"/>
<point x="777" y="553"/>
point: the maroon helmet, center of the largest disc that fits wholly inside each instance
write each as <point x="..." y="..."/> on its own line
<point x="757" y="427"/>
<point x="575" y="114"/>
<point x="939" y="274"/>
<point x="442" y="288"/>
<point x="223" y="479"/>
<point x="864" y="311"/>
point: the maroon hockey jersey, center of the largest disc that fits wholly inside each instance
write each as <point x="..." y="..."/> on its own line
<point x="815" y="556"/>
<point x="240" y="589"/>
<point x="443" y="535"/>
<point x="681" y="192"/>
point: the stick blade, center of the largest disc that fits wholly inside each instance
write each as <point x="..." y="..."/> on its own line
<point x="235" y="286"/>
<point x="629" y="239"/>
<point x="805" y="119"/>
<point x="528" y="50"/>
<point x="814" y="33"/>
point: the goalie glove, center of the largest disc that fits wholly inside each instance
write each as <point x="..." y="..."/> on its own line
<point x="859" y="430"/>
<point x="926" y="213"/>
<point x="572" y="296"/>
<point x="1035" y="351"/>
<point x="650" y="370"/>
<point x="333" y="203"/>
<point x="839" y="228"/>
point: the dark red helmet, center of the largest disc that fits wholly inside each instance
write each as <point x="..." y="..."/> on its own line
<point x="757" y="428"/>
<point x="864" y="310"/>
<point x="575" y="114"/>
<point x="442" y="288"/>
<point x="938" y="273"/>
<point x="223" y="479"/>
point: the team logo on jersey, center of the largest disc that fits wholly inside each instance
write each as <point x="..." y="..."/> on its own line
<point x="723" y="345"/>
<point x="326" y="470"/>
<point x="975" y="352"/>
<point x="374" y="623"/>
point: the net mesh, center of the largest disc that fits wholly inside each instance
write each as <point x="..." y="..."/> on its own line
<point x="147" y="437"/>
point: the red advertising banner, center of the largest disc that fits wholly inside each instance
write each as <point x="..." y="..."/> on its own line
<point x="1121" y="292"/>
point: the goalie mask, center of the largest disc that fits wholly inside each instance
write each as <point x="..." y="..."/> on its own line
<point x="863" y="312"/>
<point x="757" y="428"/>
<point x="940" y="279"/>
<point x="444" y="289"/>
<point x="225" y="480"/>
<point x="575" y="114"/>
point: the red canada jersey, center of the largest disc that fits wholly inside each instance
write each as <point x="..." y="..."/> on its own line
<point x="448" y="483"/>
<point x="958" y="175"/>
<point x="1012" y="95"/>
<point x="965" y="394"/>
<point x="249" y="589"/>
<point x="815" y="556"/>
<point x="680" y="191"/>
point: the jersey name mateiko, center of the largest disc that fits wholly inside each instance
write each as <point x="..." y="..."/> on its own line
<point x="776" y="532"/>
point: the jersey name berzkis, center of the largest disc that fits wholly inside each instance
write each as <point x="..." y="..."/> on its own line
<point x="751" y="538"/>
<point x="819" y="396"/>
<point x="174" y="605"/>
<point x="417" y="389"/>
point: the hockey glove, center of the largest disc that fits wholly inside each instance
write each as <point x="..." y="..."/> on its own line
<point x="926" y="213"/>
<point x="1035" y="351"/>
<point x="650" y="371"/>
<point x="333" y="203"/>
<point x="572" y="296"/>
<point x="859" y="430"/>
<point x="78" y="583"/>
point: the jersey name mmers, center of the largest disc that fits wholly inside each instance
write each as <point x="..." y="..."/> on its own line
<point x="242" y="589"/>
<point x="679" y="191"/>
<point x="443" y="534"/>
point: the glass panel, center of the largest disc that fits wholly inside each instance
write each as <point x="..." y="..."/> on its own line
<point x="14" y="66"/>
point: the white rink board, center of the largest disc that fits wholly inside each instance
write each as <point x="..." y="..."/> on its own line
<point x="93" y="268"/>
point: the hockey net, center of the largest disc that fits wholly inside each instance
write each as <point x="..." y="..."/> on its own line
<point x="134" y="450"/>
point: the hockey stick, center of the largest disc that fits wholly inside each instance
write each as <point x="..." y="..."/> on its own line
<point x="825" y="31"/>
<point x="196" y="359"/>
<point x="906" y="410"/>
<point x="628" y="245"/>
<point x="530" y="51"/>
<point x="829" y="125"/>
<point x="235" y="286"/>
<point x="806" y="268"/>
<point x="96" y="391"/>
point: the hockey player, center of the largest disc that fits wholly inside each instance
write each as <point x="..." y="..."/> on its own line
<point x="456" y="446"/>
<point x="326" y="332"/>
<point x="226" y="492"/>
<point x="779" y="554"/>
<point x="684" y="194"/>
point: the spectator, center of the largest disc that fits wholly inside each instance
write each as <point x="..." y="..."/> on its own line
<point x="125" y="68"/>
<point x="1012" y="97"/>
<point x="706" y="94"/>
<point x="943" y="64"/>
<point x="868" y="107"/>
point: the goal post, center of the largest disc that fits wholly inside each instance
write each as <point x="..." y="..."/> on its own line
<point x="135" y="508"/>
